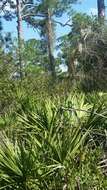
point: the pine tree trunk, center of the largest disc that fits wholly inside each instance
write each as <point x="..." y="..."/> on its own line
<point x="71" y="68"/>
<point x="71" y="64"/>
<point x="19" y="33"/>
<point x="101" y="9"/>
<point x="50" y="44"/>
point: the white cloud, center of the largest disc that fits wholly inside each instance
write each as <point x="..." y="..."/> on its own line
<point x="93" y="11"/>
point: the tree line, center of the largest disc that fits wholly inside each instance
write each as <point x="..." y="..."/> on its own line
<point x="77" y="49"/>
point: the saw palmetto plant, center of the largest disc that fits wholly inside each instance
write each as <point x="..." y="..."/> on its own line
<point x="49" y="146"/>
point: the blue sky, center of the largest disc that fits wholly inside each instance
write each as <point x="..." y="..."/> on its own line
<point x="86" y="6"/>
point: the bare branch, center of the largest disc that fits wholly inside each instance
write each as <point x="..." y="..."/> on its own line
<point x="63" y="25"/>
<point x="26" y="5"/>
<point x="32" y="14"/>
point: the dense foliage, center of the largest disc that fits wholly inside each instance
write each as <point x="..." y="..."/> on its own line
<point x="54" y="143"/>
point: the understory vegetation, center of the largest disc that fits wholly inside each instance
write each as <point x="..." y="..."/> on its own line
<point x="49" y="141"/>
<point x="53" y="96"/>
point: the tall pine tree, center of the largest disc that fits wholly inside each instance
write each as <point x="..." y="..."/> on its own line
<point x="42" y="16"/>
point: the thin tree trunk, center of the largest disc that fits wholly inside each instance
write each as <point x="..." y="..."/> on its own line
<point x="19" y="33"/>
<point x="71" y="65"/>
<point x="50" y="44"/>
<point x="101" y="9"/>
<point x="71" y="68"/>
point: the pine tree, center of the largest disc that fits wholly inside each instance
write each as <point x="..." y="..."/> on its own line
<point x="11" y="9"/>
<point x="101" y="9"/>
<point x="42" y="16"/>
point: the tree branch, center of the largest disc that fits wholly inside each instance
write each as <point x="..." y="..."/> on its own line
<point x="26" y="6"/>
<point x="63" y="25"/>
<point x="27" y="15"/>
